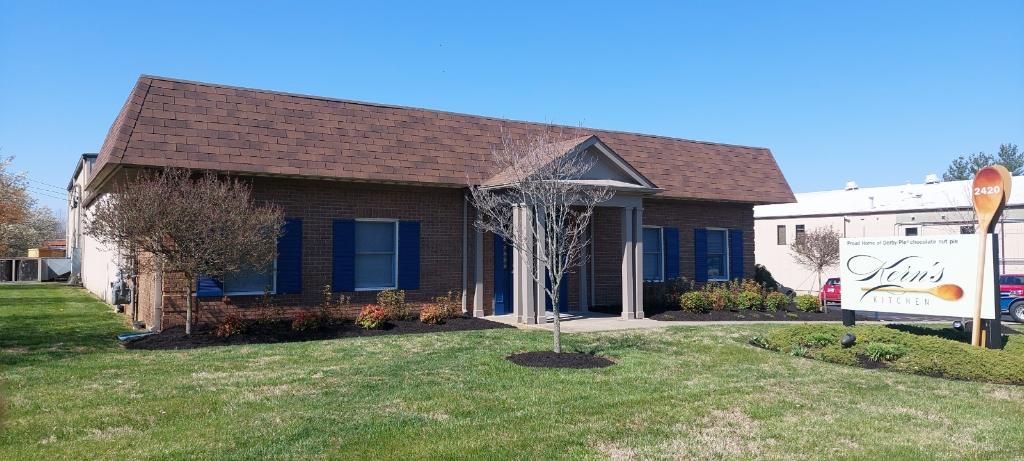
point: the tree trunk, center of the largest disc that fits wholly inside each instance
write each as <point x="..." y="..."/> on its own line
<point x="557" y="328"/>
<point x="188" y="308"/>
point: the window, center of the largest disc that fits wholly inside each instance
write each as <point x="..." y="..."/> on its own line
<point x="376" y="255"/>
<point x="910" y="232"/>
<point x="653" y="255"/>
<point x="966" y="229"/>
<point x="780" y="235"/>
<point x="798" y="232"/>
<point x="251" y="282"/>
<point x="718" y="255"/>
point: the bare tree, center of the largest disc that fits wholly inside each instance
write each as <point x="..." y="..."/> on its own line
<point x="194" y="225"/>
<point x="817" y="250"/>
<point x="541" y="175"/>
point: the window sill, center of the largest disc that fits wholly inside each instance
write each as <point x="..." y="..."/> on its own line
<point x="376" y="288"/>
<point x="251" y="293"/>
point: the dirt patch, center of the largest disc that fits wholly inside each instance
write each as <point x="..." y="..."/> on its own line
<point x="870" y="363"/>
<point x="559" y="360"/>
<point x="281" y="332"/>
<point x="796" y="316"/>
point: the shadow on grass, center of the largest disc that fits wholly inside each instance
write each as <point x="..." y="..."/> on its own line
<point x="945" y="333"/>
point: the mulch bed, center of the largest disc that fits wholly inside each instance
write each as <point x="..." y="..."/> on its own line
<point x="796" y="316"/>
<point x="281" y="332"/>
<point x="550" y="359"/>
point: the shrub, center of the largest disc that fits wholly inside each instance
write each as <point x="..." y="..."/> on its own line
<point x="763" y="277"/>
<point x="695" y="301"/>
<point x="433" y="314"/>
<point x="808" y="303"/>
<point x="750" y="300"/>
<point x="232" y="325"/>
<point x="775" y="301"/>
<point x="885" y="352"/>
<point x="448" y="306"/>
<point x="722" y="298"/>
<point x="393" y="302"/>
<point x="309" y="321"/>
<point x="372" y="317"/>
<point x="927" y="351"/>
<point x="798" y="351"/>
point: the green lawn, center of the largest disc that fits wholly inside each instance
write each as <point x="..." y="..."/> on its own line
<point x="685" y="393"/>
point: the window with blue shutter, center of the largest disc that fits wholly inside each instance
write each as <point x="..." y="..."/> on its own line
<point x="289" y="258"/>
<point x="409" y="255"/>
<point x="717" y="255"/>
<point x="671" y="241"/>
<point x="654" y="267"/>
<point x="736" y="253"/>
<point x="208" y="286"/>
<point x="343" y="260"/>
<point x="700" y="255"/>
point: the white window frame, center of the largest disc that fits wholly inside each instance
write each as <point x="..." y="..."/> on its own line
<point x="725" y="254"/>
<point x="661" y="252"/>
<point x="273" y="285"/>
<point x="394" y="265"/>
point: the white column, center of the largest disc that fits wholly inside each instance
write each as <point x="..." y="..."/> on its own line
<point x="517" y="286"/>
<point x="527" y="301"/>
<point x="628" y="272"/>
<point x="638" y="262"/>
<point x="541" y="292"/>
<point x="478" y="275"/>
<point x="584" y="282"/>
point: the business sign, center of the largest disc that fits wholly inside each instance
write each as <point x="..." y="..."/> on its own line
<point x="924" y="275"/>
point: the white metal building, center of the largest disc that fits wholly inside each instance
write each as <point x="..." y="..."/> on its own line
<point x="929" y="208"/>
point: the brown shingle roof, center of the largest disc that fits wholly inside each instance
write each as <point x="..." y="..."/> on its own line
<point x="168" y="122"/>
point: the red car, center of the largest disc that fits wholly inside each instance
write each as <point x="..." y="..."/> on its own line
<point x="1013" y="284"/>
<point x="831" y="292"/>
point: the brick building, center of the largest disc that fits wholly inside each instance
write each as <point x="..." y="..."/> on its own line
<point x="375" y="197"/>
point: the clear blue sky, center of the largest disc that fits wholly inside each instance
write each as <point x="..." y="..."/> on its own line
<point x="877" y="92"/>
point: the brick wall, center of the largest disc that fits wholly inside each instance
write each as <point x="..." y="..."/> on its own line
<point x="439" y="211"/>
<point x="318" y="203"/>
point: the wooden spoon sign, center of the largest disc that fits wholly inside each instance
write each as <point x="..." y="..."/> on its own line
<point x="947" y="292"/>
<point x="989" y="192"/>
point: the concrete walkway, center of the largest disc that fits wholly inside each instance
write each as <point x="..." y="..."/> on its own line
<point x="594" y="322"/>
<point x="582" y="323"/>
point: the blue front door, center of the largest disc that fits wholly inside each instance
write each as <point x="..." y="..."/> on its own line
<point x="502" y="276"/>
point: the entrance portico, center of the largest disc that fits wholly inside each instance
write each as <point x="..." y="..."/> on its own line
<point x="516" y="287"/>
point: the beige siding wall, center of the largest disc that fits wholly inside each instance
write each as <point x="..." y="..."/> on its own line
<point x="779" y="260"/>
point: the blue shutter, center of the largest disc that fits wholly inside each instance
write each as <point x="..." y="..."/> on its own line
<point x="736" y="253"/>
<point x="343" y="256"/>
<point x="409" y="255"/>
<point x="289" y="258"/>
<point x="208" y="286"/>
<point x="671" y="248"/>
<point x="700" y="255"/>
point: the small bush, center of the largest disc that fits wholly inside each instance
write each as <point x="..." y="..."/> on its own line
<point x="722" y="298"/>
<point x="695" y="301"/>
<point x="393" y="302"/>
<point x="232" y="325"/>
<point x="750" y="300"/>
<point x="808" y="303"/>
<point x="433" y="314"/>
<point x="775" y="301"/>
<point x="885" y="352"/>
<point x="372" y="317"/>
<point x="448" y="306"/>
<point x="309" y="321"/>
<point x="798" y="351"/>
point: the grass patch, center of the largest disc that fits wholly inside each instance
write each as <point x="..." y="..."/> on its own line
<point x="682" y="393"/>
<point x="931" y="351"/>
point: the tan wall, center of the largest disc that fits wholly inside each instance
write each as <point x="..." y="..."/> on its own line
<point x="778" y="258"/>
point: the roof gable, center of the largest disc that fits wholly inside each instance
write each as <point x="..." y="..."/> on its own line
<point x="168" y="122"/>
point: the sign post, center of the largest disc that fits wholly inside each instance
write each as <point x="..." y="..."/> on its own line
<point x="989" y="193"/>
